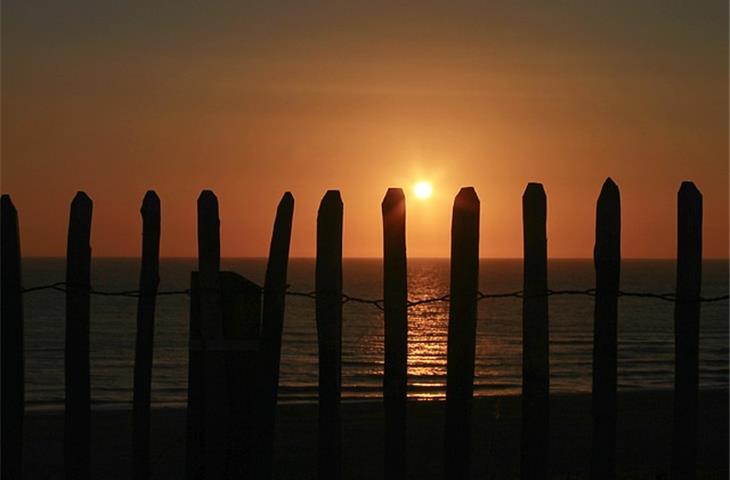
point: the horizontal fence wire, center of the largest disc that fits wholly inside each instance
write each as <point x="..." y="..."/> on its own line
<point x="379" y="303"/>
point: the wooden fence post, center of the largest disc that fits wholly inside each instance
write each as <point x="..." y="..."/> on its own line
<point x="607" y="260"/>
<point x="271" y="330"/>
<point x="328" y="284"/>
<point x="211" y="327"/>
<point x="77" y="428"/>
<point x="241" y="309"/>
<point x="395" y="301"/>
<point x="13" y="379"/>
<point x="148" y="283"/>
<point x="462" y="333"/>
<point x="687" y="330"/>
<point x="535" y="336"/>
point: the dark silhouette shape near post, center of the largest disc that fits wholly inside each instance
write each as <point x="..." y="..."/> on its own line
<point x="149" y="280"/>
<point x="196" y="394"/>
<point x="271" y="330"/>
<point x="12" y="384"/>
<point x="535" y="336"/>
<point x="77" y="429"/>
<point x="328" y="284"/>
<point x="241" y="309"/>
<point x="607" y="261"/>
<point x="395" y="295"/>
<point x="687" y="330"/>
<point x="462" y="333"/>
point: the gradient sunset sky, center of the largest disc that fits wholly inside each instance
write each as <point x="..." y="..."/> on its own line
<point x="115" y="98"/>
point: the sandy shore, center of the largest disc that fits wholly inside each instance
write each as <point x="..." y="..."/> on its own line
<point x="644" y="438"/>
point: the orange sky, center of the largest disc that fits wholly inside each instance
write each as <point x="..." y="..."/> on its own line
<point x="254" y="101"/>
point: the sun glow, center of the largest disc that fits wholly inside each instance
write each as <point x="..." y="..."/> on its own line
<point x="423" y="190"/>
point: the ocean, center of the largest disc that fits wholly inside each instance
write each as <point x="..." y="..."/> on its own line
<point x="645" y="330"/>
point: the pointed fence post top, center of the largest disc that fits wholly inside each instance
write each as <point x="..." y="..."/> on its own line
<point x="150" y="204"/>
<point x="81" y="202"/>
<point x="331" y="199"/>
<point x="609" y="200"/>
<point x="466" y="199"/>
<point x="535" y="200"/>
<point x="208" y="200"/>
<point x="689" y="190"/>
<point x="80" y="219"/>
<point x="394" y="196"/>
<point x="330" y="209"/>
<point x="208" y="237"/>
<point x="7" y="204"/>
<point x="609" y="189"/>
<point x="607" y="249"/>
<point x="608" y="208"/>
<point x="534" y="190"/>
<point x="286" y="202"/>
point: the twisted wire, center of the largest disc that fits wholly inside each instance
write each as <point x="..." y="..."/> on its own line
<point x="379" y="303"/>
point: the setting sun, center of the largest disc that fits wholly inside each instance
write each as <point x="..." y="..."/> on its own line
<point x="422" y="190"/>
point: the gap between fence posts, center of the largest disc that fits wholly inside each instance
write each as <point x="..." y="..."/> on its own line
<point x="395" y="304"/>
<point x="148" y="284"/>
<point x="686" y="331"/>
<point x="271" y="330"/>
<point x="328" y="284"/>
<point x="607" y="261"/>
<point x="12" y="384"/>
<point x="535" y="337"/>
<point x="77" y="424"/>
<point x="462" y="333"/>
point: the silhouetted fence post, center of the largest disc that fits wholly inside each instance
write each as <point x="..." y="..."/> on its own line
<point x="328" y="284"/>
<point x="271" y="330"/>
<point x="535" y="336"/>
<point x="13" y="373"/>
<point x="607" y="260"/>
<point x="77" y="428"/>
<point x="395" y="301"/>
<point x="462" y="333"/>
<point x="212" y="376"/>
<point x="687" y="330"/>
<point x="148" y="283"/>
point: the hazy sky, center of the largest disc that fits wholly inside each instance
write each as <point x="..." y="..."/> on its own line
<point x="251" y="101"/>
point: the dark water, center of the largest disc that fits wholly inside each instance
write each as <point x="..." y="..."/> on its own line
<point x="645" y="330"/>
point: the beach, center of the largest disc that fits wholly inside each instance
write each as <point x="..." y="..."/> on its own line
<point x="644" y="434"/>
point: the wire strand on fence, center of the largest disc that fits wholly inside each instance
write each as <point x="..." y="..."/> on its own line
<point x="379" y="303"/>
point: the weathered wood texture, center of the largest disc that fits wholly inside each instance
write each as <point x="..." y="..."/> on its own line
<point x="328" y="284"/>
<point x="462" y="333"/>
<point x="535" y="338"/>
<point x="607" y="260"/>
<point x="77" y="429"/>
<point x="12" y="384"/>
<point x="275" y="285"/>
<point x="148" y="283"/>
<point x="687" y="330"/>
<point x="395" y="296"/>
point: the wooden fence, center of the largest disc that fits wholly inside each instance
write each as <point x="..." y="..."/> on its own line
<point x="236" y="330"/>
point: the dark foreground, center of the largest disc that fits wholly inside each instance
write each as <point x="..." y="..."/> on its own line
<point x="644" y="439"/>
